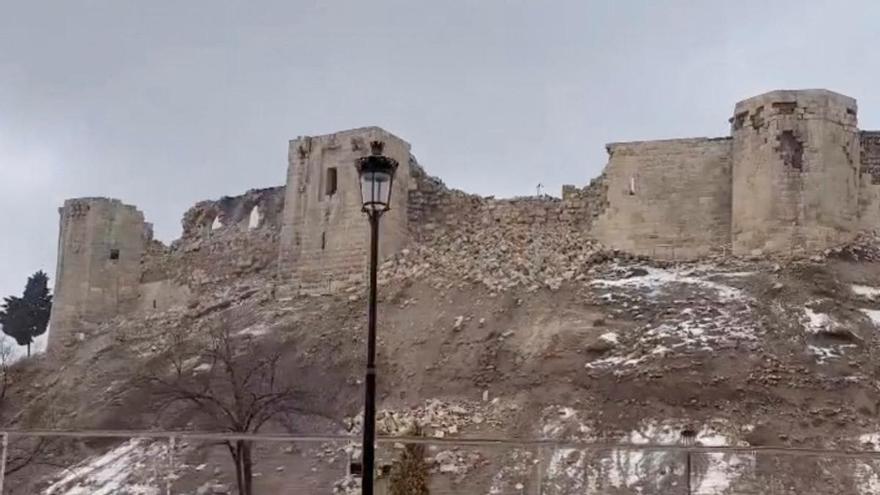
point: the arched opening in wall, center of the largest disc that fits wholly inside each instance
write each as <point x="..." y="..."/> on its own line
<point x="114" y="254"/>
<point x="254" y="219"/>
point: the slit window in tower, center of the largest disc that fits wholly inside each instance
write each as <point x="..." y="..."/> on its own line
<point x="330" y="183"/>
<point x="114" y="254"/>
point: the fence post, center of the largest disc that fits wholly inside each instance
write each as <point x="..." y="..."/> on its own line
<point x="169" y="476"/>
<point x="544" y="455"/>
<point x="3" y="460"/>
<point x="687" y="470"/>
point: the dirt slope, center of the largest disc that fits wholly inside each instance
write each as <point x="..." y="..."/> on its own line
<point x="618" y="350"/>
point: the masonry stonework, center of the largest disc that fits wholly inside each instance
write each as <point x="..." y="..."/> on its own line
<point x="869" y="177"/>
<point x="100" y="246"/>
<point x="667" y="199"/>
<point x="795" y="171"/>
<point x="324" y="234"/>
<point x="794" y="176"/>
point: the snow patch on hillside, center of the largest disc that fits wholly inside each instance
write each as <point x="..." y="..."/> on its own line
<point x="592" y="472"/>
<point x="867" y="478"/>
<point x="686" y="310"/>
<point x="817" y="324"/>
<point x="873" y="315"/>
<point x="656" y="280"/>
<point x="137" y="467"/>
<point x="721" y="471"/>
<point x="866" y="291"/>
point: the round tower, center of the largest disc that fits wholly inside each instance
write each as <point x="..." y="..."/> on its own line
<point x="795" y="171"/>
<point x="100" y="245"/>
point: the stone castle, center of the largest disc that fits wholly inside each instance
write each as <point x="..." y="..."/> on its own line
<point x="796" y="175"/>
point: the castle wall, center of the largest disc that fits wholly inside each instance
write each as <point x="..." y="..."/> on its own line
<point x="324" y="234"/>
<point x="222" y="240"/>
<point x="795" y="172"/>
<point x="795" y="176"/>
<point x="668" y="199"/>
<point x="869" y="186"/>
<point x="101" y="242"/>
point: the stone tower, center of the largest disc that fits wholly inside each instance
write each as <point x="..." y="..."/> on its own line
<point x="795" y="171"/>
<point x="324" y="234"/>
<point x="101" y="243"/>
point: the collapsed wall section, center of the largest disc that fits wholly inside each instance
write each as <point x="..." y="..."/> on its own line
<point x="221" y="240"/>
<point x="532" y="242"/>
<point x="795" y="172"/>
<point x="666" y="199"/>
<point x="100" y="245"/>
<point x="324" y="234"/>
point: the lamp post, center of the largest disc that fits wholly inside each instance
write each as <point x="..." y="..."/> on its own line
<point x="376" y="174"/>
<point x="688" y="439"/>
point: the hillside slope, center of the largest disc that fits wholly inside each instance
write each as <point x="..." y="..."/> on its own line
<point x="501" y="332"/>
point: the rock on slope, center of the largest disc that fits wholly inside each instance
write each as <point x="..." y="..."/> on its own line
<point x="520" y="334"/>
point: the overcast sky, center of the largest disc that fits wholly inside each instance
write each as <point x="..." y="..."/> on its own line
<point x="164" y="103"/>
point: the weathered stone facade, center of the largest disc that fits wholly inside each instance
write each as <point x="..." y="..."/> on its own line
<point x="324" y="235"/>
<point x="795" y="172"/>
<point x="795" y="176"/>
<point x="869" y="177"/>
<point x="668" y="198"/>
<point x="100" y="246"/>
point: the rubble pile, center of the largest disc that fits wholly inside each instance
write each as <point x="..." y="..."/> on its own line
<point x="350" y="485"/>
<point x="500" y="256"/>
<point x="437" y="418"/>
<point x="865" y="247"/>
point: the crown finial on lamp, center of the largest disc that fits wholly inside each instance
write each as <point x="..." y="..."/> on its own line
<point x="376" y="147"/>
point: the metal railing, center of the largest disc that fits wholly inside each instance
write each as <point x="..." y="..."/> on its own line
<point x="175" y="462"/>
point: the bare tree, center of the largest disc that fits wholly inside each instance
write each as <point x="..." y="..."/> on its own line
<point x="5" y="361"/>
<point x="233" y="384"/>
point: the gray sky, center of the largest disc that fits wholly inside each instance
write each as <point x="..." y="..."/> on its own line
<point x="164" y="103"/>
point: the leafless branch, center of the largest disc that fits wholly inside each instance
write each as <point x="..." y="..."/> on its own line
<point x="232" y="383"/>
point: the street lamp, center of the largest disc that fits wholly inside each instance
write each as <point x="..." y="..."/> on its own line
<point x="688" y="439"/>
<point x="376" y="175"/>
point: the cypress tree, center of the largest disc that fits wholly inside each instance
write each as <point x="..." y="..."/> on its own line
<point x="26" y="318"/>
